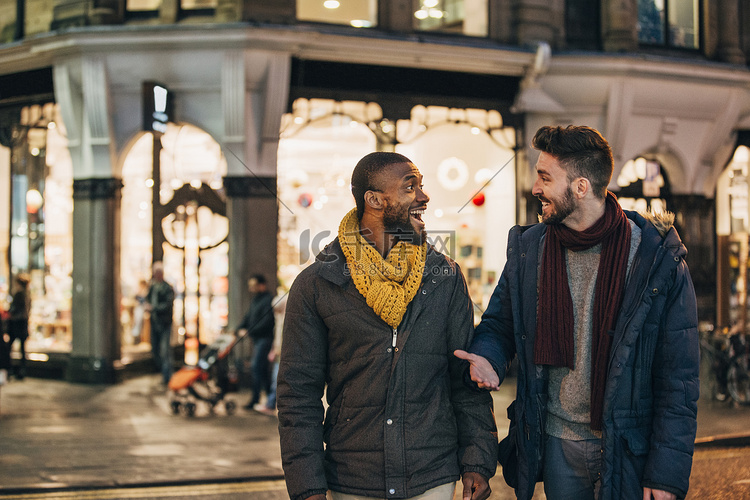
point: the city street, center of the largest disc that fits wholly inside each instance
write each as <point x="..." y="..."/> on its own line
<point x="72" y="441"/>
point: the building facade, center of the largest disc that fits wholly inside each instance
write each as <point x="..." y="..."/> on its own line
<point x="218" y="136"/>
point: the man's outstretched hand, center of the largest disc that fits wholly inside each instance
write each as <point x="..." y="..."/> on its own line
<point x="481" y="370"/>
<point x="476" y="486"/>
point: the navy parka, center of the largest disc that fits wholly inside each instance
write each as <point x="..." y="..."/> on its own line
<point x="650" y="401"/>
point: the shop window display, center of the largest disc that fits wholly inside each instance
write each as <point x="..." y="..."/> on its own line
<point x="671" y="23"/>
<point x="357" y="13"/>
<point x="463" y="17"/>
<point x="466" y="157"/>
<point x="193" y="231"/>
<point x="644" y="186"/>
<point x="8" y="10"/>
<point x="732" y="229"/>
<point x="39" y="223"/>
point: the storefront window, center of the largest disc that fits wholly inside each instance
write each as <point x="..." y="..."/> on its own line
<point x="672" y="23"/>
<point x="467" y="159"/>
<point x="464" y="17"/>
<point x="194" y="229"/>
<point x="7" y="20"/>
<point x="357" y="13"/>
<point x="198" y="6"/>
<point x="142" y="9"/>
<point x="643" y="186"/>
<point x="465" y="156"/>
<point x="39" y="15"/>
<point x="40" y="213"/>
<point x="732" y="228"/>
<point x="582" y="24"/>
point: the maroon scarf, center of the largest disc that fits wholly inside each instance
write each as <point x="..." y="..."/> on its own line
<point x="554" y="320"/>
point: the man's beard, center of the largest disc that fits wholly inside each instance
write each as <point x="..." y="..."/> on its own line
<point x="560" y="209"/>
<point x="397" y="221"/>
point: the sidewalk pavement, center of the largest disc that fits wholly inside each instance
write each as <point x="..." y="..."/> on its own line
<point x="54" y="434"/>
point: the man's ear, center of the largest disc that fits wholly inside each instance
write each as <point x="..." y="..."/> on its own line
<point x="374" y="199"/>
<point x="581" y="187"/>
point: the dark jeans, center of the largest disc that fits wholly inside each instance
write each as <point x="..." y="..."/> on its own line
<point x="572" y="469"/>
<point x="260" y="368"/>
<point x="19" y="329"/>
<point x="161" y="349"/>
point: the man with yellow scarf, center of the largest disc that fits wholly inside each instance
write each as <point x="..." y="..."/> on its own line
<point x="373" y="324"/>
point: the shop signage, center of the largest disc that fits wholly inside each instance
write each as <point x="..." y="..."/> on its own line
<point x="157" y="107"/>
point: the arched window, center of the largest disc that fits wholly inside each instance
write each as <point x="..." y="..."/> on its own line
<point x="644" y="186"/>
<point x="193" y="231"/>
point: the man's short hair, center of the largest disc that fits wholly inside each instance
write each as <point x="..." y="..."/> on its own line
<point x="259" y="278"/>
<point x="363" y="176"/>
<point x="581" y="151"/>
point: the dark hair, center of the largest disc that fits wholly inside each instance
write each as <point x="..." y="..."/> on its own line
<point x="259" y="278"/>
<point x="581" y="151"/>
<point x="365" y="172"/>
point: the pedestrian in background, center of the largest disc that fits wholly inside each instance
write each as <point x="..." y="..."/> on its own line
<point x="160" y="304"/>
<point x="258" y="322"/>
<point x="598" y="306"/>
<point x="373" y="324"/>
<point x="279" y="308"/>
<point x="139" y="311"/>
<point x="18" y="321"/>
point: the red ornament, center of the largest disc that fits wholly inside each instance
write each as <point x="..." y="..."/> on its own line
<point x="478" y="200"/>
<point x="305" y="200"/>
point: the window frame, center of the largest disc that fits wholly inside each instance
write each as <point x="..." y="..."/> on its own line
<point x="667" y="43"/>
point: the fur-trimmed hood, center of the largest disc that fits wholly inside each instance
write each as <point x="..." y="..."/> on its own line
<point x="662" y="221"/>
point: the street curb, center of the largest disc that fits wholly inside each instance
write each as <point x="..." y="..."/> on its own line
<point x="21" y="490"/>
<point x="723" y="440"/>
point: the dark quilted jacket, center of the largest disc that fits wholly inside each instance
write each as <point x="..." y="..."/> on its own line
<point x="399" y="421"/>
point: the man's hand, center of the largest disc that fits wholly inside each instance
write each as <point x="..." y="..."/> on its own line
<point x="649" y="494"/>
<point x="476" y="486"/>
<point x="319" y="496"/>
<point x="481" y="370"/>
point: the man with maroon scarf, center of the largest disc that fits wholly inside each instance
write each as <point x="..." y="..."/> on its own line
<point x="599" y="308"/>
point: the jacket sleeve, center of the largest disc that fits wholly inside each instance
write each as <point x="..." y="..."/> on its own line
<point x="494" y="336"/>
<point x="676" y="387"/>
<point x="300" y="386"/>
<point x="477" y="432"/>
<point x="264" y="319"/>
<point x="164" y="303"/>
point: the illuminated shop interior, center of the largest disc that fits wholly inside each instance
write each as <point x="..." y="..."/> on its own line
<point x="465" y="155"/>
<point x="194" y="230"/>
<point x="36" y="235"/>
<point x="732" y="230"/>
<point x="466" y="17"/>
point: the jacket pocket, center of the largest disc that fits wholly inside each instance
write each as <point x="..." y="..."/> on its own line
<point x="507" y="450"/>
<point x="631" y="451"/>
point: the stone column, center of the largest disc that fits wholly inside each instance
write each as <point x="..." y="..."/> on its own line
<point x="96" y="263"/>
<point x="534" y="21"/>
<point x="729" y="32"/>
<point x="252" y="210"/>
<point x="396" y="15"/>
<point x="619" y="25"/>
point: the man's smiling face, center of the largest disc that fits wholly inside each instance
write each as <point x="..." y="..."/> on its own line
<point x="552" y="187"/>
<point x="405" y="202"/>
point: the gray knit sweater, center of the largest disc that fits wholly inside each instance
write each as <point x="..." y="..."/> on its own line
<point x="569" y="391"/>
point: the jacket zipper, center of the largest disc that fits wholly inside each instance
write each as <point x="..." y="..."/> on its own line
<point x="395" y="335"/>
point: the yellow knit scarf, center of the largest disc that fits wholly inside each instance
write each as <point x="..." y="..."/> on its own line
<point x="388" y="285"/>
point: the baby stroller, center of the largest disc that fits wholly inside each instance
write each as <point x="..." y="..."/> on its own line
<point x="208" y="381"/>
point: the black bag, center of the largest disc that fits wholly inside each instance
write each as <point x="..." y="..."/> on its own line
<point x="507" y="450"/>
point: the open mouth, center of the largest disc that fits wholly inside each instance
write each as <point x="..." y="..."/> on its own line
<point x="417" y="214"/>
